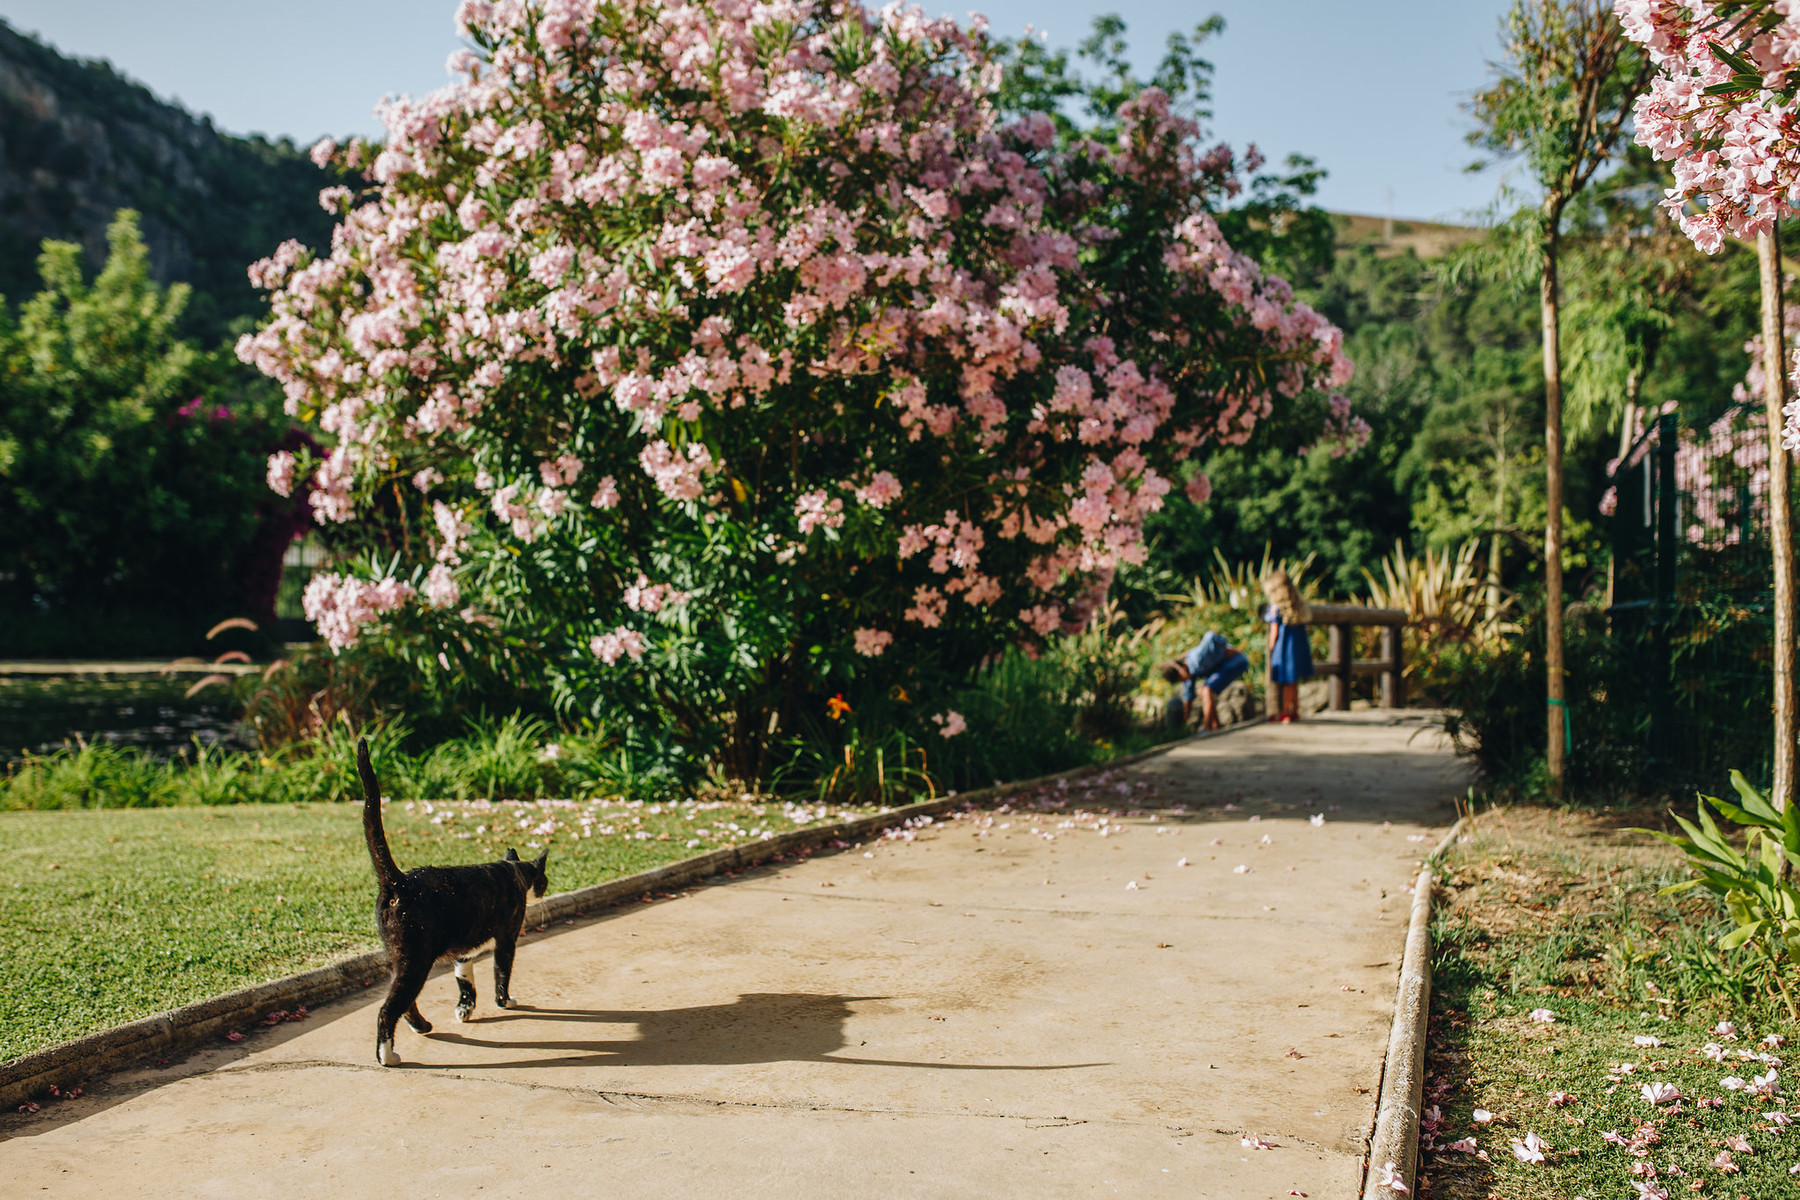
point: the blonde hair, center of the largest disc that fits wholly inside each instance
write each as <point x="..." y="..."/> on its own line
<point x="1286" y="598"/>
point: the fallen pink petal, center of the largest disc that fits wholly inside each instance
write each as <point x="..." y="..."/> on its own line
<point x="1531" y="1150"/>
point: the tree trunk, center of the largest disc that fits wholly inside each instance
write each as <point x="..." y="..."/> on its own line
<point x="1491" y="613"/>
<point x="1781" y="531"/>
<point x="1556" y="706"/>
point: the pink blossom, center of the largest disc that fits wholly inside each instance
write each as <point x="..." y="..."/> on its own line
<point x="676" y="476"/>
<point x="281" y="473"/>
<point x="644" y="596"/>
<point x="441" y="590"/>
<point x="816" y="511"/>
<point x="871" y="642"/>
<point x="881" y="490"/>
<point x="949" y="723"/>
<point x="608" y="647"/>
<point x="341" y="606"/>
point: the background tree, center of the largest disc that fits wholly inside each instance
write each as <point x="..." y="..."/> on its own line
<point x="1563" y="100"/>
<point x="131" y="467"/>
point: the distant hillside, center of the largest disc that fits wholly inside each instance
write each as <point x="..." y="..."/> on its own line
<point x="1427" y="239"/>
<point x="79" y="141"/>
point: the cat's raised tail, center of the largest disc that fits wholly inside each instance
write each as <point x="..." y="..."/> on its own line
<point x="387" y="871"/>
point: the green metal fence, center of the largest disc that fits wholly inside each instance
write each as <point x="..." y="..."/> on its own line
<point x="1690" y="616"/>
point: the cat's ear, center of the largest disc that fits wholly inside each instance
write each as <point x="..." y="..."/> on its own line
<point x="511" y="855"/>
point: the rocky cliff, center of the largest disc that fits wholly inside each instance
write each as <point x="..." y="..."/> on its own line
<point x="79" y="141"/>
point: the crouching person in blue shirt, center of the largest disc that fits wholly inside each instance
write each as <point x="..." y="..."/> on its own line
<point x="1204" y="671"/>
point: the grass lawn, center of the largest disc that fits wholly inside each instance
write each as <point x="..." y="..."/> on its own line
<point x="116" y="914"/>
<point x="1558" y="911"/>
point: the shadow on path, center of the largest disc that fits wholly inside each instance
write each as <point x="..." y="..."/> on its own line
<point x="759" y="1027"/>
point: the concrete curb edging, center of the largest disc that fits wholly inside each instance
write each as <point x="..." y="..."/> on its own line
<point x="1395" y="1141"/>
<point x="185" y="1027"/>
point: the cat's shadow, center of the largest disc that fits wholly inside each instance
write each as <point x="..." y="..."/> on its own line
<point x="759" y="1027"/>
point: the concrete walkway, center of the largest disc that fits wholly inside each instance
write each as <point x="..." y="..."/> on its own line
<point x="989" y="1009"/>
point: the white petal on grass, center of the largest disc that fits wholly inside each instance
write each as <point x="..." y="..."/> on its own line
<point x="1644" y="1040"/>
<point x="1660" y="1093"/>
<point x="1531" y="1150"/>
<point x="1482" y="1116"/>
<point x="1542" y="1015"/>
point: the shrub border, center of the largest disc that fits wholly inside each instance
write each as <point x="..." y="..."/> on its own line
<point x="1395" y="1138"/>
<point x="185" y="1028"/>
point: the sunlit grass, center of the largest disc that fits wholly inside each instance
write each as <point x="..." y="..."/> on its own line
<point x="1558" y="913"/>
<point x="113" y="915"/>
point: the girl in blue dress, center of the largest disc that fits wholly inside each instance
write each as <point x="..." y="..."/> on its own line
<point x="1290" y="654"/>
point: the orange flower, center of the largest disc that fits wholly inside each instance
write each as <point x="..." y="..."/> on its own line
<point x="837" y="706"/>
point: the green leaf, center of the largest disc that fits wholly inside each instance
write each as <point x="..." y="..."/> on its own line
<point x="1736" y="62"/>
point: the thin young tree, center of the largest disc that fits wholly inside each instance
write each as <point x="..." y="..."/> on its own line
<point x="1562" y="103"/>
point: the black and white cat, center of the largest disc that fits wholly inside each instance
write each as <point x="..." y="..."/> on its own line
<point x="430" y="913"/>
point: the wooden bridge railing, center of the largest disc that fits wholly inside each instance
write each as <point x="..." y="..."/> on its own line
<point x="1340" y="620"/>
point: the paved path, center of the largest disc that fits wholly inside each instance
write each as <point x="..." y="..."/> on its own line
<point x="986" y="1010"/>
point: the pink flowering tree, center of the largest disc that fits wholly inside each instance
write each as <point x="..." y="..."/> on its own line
<point x="1722" y="109"/>
<point x="693" y="357"/>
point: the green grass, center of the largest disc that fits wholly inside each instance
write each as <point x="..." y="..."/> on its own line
<point x="115" y="914"/>
<point x="1559" y="911"/>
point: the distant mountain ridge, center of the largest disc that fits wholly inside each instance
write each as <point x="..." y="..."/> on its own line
<point x="78" y="141"/>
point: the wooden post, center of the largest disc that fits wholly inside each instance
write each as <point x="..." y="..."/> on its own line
<point x="1393" y="688"/>
<point x="1343" y="657"/>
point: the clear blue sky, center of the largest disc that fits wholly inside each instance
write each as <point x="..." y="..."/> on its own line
<point x="1373" y="89"/>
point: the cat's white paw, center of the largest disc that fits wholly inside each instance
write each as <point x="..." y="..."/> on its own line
<point x="386" y="1055"/>
<point x="509" y="1002"/>
<point x="464" y="1012"/>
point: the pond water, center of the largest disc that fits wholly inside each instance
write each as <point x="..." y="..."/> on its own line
<point x="39" y="714"/>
